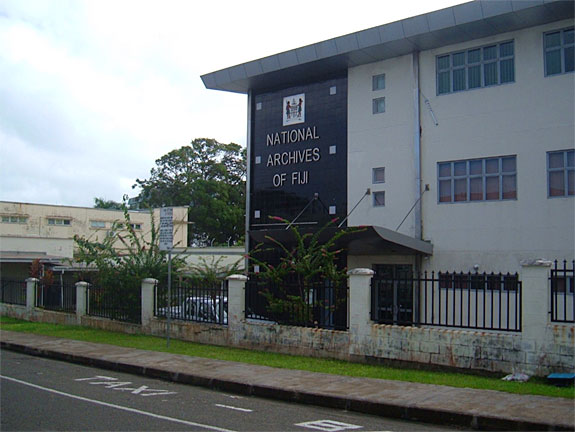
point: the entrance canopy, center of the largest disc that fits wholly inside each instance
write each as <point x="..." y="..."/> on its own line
<point x="367" y="240"/>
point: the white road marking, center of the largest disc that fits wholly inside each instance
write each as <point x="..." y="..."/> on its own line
<point x="119" y="407"/>
<point x="114" y="384"/>
<point x="234" y="408"/>
<point x="328" y="425"/>
<point x="96" y="377"/>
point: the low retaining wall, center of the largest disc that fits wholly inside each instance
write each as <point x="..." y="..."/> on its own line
<point x="539" y="349"/>
<point x="481" y="351"/>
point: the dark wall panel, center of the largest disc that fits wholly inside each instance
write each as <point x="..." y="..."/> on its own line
<point x="292" y="162"/>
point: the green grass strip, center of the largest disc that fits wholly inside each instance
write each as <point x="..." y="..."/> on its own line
<point x="535" y="386"/>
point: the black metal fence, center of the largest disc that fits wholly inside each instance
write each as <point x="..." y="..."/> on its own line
<point x="464" y="300"/>
<point x="13" y="291"/>
<point x="562" y="292"/>
<point x="193" y="300"/>
<point x="120" y="303"/>
<point x="57" y="296"/>
<point x="320" y="304"/>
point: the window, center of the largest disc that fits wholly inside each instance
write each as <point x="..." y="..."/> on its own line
<point x="379" y="105"/>
<point x="561" y="173"/>
<point x="378" y="175"/>
<point x="98" y="224"/>
<point x="560" y="284"/>
<point x="15" y="219"/>
<point x="59" y="221"/>
<point x="136" y="226"/>
<point x="379" y="199"/>
<point x="378" y="82"/>
<point x="488" y="179"/>
<point x="477" y="67"/>
<point x="558" y="47"/>
<point x="476" y="281"/>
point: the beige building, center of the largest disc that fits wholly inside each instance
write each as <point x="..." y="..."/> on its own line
<point x="46" y="232"/>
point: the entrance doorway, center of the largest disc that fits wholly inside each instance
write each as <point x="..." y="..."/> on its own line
<point x="393" y="294"/>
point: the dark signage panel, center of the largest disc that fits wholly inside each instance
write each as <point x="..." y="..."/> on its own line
<point x="298" y="151"/>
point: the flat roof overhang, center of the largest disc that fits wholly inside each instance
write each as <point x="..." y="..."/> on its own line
<point x="368" y="240"/>
<point x="29" y="257"/>
<point x="456" y="24"/>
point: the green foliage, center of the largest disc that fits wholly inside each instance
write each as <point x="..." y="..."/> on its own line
<point x="209" y="177"/>
<point x="44" y="275"/>
<point x="36" y="269"/>
<point x="308" y="257"/>
<point x="212" y="271"/>
<point x="304" y="262"/>
<point x="124" y="258"/>
<point x="102" y="203"/>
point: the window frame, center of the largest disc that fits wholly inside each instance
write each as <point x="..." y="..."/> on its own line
<point x="375" y="81"/>
<point x="375" y="200"/>
<point x="565" y="169"/>
<point x="467" y="65"/>
<point x="58" y="221"/>
<point x="15" y="219"/>
<point x="375" y="105"/>
<point x="374" y="172"/>
<point x="561" y="48"/>
<point x="469" y="176"/>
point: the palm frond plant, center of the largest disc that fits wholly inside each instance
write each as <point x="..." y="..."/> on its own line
<point x="309" y="259"/>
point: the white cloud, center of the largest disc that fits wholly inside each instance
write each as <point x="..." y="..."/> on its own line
<point x="93" y="92"/>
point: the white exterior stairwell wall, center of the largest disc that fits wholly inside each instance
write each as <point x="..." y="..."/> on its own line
<point x="381" y="140"/>
<point x="526" y="118"/>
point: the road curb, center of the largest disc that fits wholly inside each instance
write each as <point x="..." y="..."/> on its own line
<point x="382" y="409"/>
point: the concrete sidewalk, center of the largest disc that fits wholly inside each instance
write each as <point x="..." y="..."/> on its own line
<point x="478" y="409"/>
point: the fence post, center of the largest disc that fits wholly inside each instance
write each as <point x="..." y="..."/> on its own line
<point x="236" y="303"/>
<point x="31" y="294"/>
<point x="81" y="295"/>
<point x="535" y="298"/>
<point x="148" y="286"/>
<point x="359" y="307"/>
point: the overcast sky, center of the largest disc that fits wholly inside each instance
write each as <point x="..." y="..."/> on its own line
<point x="92" y="92"/>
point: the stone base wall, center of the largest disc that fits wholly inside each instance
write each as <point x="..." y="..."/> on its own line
<point x="295" y="340"/>
<point x="204" y="333"/>
<point x="549" y="349"/>
<point x="37" y="315"/>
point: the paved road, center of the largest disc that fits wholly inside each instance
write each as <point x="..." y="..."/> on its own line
<point x="42" y="394"/>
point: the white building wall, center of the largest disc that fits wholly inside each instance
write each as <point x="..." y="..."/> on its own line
<point x="381" y="140"/>
<point x="526" y="118"/>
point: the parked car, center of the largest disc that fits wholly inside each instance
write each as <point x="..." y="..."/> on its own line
<point x="203" y="309"/>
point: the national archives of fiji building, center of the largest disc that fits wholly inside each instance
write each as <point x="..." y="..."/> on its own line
<point x="448" y="135"/>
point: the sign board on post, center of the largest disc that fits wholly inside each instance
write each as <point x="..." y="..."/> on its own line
<point x="166" y="244"/>
<point x="166" y="228"/>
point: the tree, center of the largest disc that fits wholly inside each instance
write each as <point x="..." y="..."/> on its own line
<point x="207" y="176"/>
<point x="102" y="203"/>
